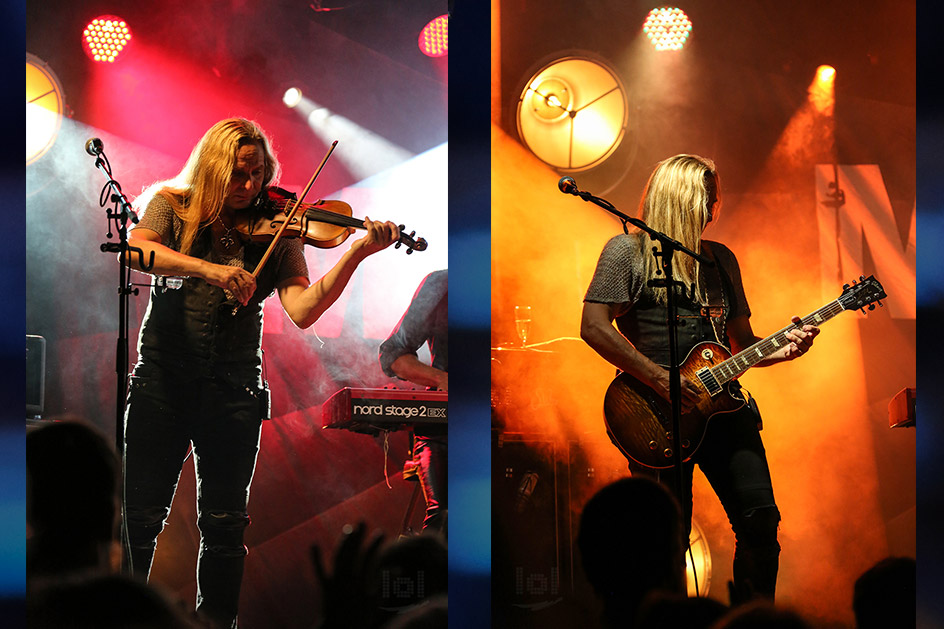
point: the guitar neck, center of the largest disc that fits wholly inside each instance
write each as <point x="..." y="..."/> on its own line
<point x="742" y="361"/>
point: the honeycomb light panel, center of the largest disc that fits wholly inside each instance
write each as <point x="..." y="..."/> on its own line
<point x="667" y="28"/>
<point x="105" y="37"/>
<point x="434" y="38"/>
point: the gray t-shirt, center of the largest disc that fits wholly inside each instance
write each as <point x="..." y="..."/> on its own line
<point x="619" y="279"/>
<point x="620" y="274"/>
<point x="288" y="256"/>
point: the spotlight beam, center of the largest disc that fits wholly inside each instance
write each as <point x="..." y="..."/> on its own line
<point x="363" y="152"/>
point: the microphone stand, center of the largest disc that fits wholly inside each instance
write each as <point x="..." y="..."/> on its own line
<point x="118" y="218"/>
<point x="669" y="247"/>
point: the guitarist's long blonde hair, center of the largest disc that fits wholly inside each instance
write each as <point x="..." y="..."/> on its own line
<point x="675" y="203"/>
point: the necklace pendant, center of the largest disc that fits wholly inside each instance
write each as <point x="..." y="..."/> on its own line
<point x="227" y="242"/>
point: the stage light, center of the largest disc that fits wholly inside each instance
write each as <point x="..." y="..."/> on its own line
<point x="292" y="97"/>
<point x="698" y="563"/>
<point x="822" y="90"/>
<point x="105" y="37"/>
<point x="434" y="38"/>
<point x="825" y="73"/>
<point x="667" y="28"/>
<point x="45" y="105"/>
<point x="550" y="98"/>
<point x="573" y="113"/>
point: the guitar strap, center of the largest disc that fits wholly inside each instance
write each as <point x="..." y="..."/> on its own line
<point x="717" y="309"/>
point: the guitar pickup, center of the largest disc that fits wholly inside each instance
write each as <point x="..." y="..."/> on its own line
<point x="708" y="379"/>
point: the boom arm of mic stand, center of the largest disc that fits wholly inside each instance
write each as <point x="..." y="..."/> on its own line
<point x="653" y="234"/>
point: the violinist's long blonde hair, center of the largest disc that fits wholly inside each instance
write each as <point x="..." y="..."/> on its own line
<point x="198" y="191"/>
<point x="675" y="203"/>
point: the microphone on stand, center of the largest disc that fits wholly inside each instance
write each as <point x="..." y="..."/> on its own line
<point x="567" y="185"/>
<point x="94" y="147"/>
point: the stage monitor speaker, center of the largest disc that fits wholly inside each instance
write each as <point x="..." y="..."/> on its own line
<point x="35" y="375"/>
<point x="526" y="530"/>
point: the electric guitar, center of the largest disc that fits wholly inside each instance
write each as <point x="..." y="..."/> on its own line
<point x="639" y="420"/>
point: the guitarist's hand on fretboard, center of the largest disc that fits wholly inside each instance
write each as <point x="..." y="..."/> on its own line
<point x="801" y="340"/>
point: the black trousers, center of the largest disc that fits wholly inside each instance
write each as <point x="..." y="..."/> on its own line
<point x="734" y="461"/>
<point x="166" y="414"/>
<point x="432" y="458"/>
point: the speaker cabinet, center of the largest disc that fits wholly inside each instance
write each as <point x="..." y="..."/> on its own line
<point x="35" y="375"/>
<point x="527" y="531"/>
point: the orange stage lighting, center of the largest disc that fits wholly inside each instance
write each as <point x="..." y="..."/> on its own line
<point x="821" y="91"/>
<point x="45" y="105"/>
<point x="825" y="74"/>
<point x="105" y="37"/>
<point x="573" y="113"/>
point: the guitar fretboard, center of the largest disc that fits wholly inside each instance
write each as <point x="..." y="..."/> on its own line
<point x="742" y="361"/>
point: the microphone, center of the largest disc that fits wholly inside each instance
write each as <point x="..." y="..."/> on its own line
<point x="567" y="185"/>
<point x="94" y="147"/>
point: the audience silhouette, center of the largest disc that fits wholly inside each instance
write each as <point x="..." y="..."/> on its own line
<point x="760" y="613"/>
<point x="884" y="596"/>
<point x="73" y="553"/>
<point x="630" y="543"/>
<point x="372" y="585"/>
<point x="72" y="504"/>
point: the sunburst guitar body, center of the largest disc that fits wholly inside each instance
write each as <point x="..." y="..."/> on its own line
<point x="640" y="421"/>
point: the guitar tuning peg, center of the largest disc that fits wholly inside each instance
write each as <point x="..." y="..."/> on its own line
<point x="397" y="246"/>
<point x="861" y="278"/>
<point x="881" y="304"/>
<point x="871" y="306"/>
<point x="409" y="251"/>
<point x="845" y="287"/>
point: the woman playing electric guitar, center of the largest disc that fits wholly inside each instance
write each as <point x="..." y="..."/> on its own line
<point x="680" y="200"/>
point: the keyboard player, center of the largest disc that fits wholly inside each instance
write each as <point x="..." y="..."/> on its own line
<point x="425" y="321"/>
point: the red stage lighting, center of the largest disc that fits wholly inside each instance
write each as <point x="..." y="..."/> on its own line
<point x="105" y="37"/>
<point x="667" y="29"/>
<point x="434" y="38"/>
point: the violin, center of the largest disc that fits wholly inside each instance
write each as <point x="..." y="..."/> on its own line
<point x="317" y="224"/>
<point x="324" y="224"/>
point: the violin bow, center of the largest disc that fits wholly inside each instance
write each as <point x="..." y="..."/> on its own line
<point x="291" y="214"/>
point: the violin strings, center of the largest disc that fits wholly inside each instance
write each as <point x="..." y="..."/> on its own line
<point x="334" y="219"/>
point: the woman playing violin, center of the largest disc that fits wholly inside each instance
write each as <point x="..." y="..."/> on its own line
<point x="198" y="381"/>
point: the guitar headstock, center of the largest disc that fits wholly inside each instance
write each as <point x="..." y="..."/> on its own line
<point x="866" y="292"/>
<point x="417" y="244"/>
